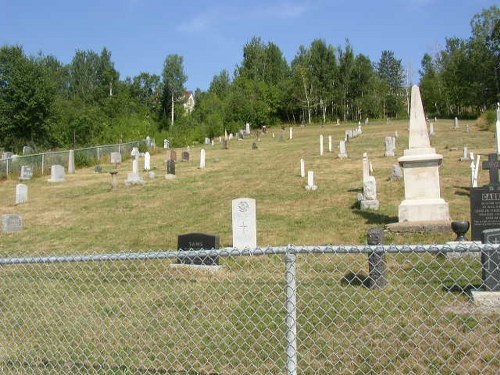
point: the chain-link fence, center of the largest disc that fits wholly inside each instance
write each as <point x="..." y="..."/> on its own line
<point x="307" y="310"/>
<point x="41" y="163"/>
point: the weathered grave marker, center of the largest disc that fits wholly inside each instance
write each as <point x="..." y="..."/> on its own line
<point x="71" y="162"/>
<point x="490" y="260"/>
<point x="202" y="158"/>
<point x="170" y="170"/>
<point x="56" y="173"/>
<point x="21" y="193"/>
<point x="26" y="172"/>
<point x="12" y="223"/>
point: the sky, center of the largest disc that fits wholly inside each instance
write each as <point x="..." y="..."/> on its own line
<point x="210" y="35"/>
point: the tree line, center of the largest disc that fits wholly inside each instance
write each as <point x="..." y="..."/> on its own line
<point x="47" y="104"/>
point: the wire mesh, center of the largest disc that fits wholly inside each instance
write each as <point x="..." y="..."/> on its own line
<point x="41" y="163"/>
<point x="144" y="313"/>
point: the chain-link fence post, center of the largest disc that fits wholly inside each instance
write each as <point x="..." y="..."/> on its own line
<point x="376" y="259"/>
<point x="291" y="313"/>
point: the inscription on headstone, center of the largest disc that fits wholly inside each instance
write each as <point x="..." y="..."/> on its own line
<point x="21" y="193"/>
<point x="485" y="202"/>
<point x="26" y="172"/>
<point x="198" y="241"/>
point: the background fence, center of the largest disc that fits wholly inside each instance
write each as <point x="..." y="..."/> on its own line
<point x="41" y="163"/>
<point x="308" y="310"/>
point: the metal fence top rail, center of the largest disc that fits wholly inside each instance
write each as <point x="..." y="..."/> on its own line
<point x="232" y="252"/>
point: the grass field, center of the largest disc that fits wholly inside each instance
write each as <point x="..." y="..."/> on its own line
<point x="149" y="318"/>
<point x="83" y="214"/>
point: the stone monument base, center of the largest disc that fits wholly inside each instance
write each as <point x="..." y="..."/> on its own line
<point x="485" y="299"/>
<point x="440" y="226"/>
<point x="169" y="176"/>
<point x="134" y="179"/>
<point x="369" y="204"/>
<point x="423" y="210"/>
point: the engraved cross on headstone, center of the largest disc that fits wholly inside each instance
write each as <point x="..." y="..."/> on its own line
<point x="493" y="165"/>
<point x="243" y="227"/>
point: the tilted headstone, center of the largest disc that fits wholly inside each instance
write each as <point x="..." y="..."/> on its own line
<point x="244" y="220"/>
<point x="56" y="173"/>
<point x="26" y="172"/>
<point x="21" y="193"/>
<point x="490" y="260"/>
<point x="12" y="223"/>
<point x="485" y="201"/>
<point x="191" y="242"/>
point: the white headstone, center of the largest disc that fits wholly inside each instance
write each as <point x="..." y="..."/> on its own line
<point x="431" y="129"/>
<point x="12" y="223"/>
<point x="202" y="158"/>
<point x="56" y="173"/>
<point x="302" y="168"/>
<point x="397" y="173"/>
<point x="321" y="144"/>
<point x="291" y="132"/>
<point x="369" y="200"/>
<point x="498" y="128"/>
<point x="26" y="172"/>
<point x="390" y="146"/>
<point x="455" y="123"/>
<point x="330" y="148"/>
<point x="342" y="150"/>
<point x="247" y="128"/>
<point x="134" y="178"/>
<point x="311" y="181"/>
<point x="166" y="144"/>
<point x="366" y="167"/>
<point x="147" y="161"/>
<point x="71" y="162"/>
<point x="21" y="193"/>
<point x="244" y="219"/>
<point x="115" y="157"/>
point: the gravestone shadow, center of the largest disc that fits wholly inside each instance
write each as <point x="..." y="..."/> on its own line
<point x="373" y="217"/>
<point x="355" y="279"/>
<point x="462" y="191"/>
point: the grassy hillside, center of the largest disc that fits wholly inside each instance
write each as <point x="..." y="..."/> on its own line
<point x="84" y="215"/>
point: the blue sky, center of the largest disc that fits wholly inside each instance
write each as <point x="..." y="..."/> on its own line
<point x="210" y="35"/>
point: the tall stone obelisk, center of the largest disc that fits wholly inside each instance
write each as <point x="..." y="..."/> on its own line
<point x="420" y="165"/>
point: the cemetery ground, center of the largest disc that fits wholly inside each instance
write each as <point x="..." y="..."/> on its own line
<point x="83" y="215"/>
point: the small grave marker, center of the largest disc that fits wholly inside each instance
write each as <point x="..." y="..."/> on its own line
<point x="198" y="241"/>
<point x="12" y="223"/>
<point x="56" y="173"/>
<point x="26" y="172"/>
<point x="21" y="193"/>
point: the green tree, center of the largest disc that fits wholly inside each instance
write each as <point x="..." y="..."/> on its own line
<point x="174" y="80"/>
<point x="390" y="71"/>
<point x="27" y="97"/>
<point x="221" y="84"/>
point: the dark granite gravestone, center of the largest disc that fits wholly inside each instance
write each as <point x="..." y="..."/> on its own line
<point x="225" y="144"/>
<point x="171" y="167"/>
<point x="198" y="241"/>
<point x="185" y="156"/>
<point x="172" y="155"/>
<point x="485" y="202"/>
<point x="490" y="261"/>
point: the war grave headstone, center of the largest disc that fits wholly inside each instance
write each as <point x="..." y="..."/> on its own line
<point x="192" y="242"/>
<point x="26" y="172"/>
<point x="21" y="193"/>
<point x="12" y="223"/>
<point x="244" y="221"/>
<point x="170" y="170"/>
<point x="485" y="201"/>
<point x="56" y="173"/>
<point x="71" y="162"/>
